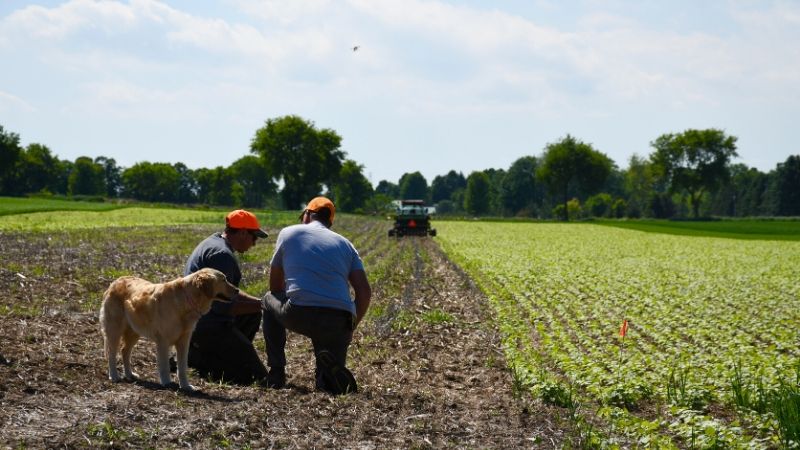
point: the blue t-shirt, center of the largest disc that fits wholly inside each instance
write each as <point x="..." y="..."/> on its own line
<point x="316" y="263"/>
<point x="214" y="252"/>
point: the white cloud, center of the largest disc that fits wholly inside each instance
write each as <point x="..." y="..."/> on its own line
<point x="12" y="103"/>
<point x="60" y="22"/>
<point x="285" y="12"/>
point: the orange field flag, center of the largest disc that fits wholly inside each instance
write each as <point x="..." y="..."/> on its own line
<point x="623" y="329"/>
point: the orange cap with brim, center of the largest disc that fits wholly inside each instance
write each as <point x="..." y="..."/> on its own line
<point x="244" y="220"/>
<point x="318" y="203"/>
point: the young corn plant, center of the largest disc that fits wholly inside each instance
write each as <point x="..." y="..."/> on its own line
<point x="681" y="393"/>
<point x="786" y="408"/>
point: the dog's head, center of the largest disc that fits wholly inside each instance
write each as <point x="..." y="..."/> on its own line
<point x="212" y="285"/>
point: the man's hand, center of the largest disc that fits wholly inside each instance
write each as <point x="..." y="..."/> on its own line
<point x="358" y="279"/>
<point x="245" y="303"/>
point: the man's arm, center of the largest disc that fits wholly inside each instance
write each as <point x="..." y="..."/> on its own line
<point x="245" y="303"/>
<point x="363" y="292"/>
<point x="277" y="283"/>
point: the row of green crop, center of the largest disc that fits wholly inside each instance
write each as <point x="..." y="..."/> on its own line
<point x="698" y="308"/>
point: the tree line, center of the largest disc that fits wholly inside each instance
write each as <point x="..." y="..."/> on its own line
<point x="688" y="174"/>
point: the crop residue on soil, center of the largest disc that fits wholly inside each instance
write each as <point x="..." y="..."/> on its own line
<point x="427" y="358"/>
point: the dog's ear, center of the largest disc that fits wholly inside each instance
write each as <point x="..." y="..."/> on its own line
<point x="204" y="282"/>
<point x="209" y="283"/>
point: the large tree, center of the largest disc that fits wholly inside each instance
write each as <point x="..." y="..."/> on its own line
<point x="786" y="187"/>
<point x="444" y="186"/>
<point x="477" y="194"/>
<point x="639" y="185"/>
<point x="388" y="189"/>
<point x="257" y="183"/>
<point x="694" y="162"/>
<point x="152" y="182"/>
<point x="37" y="170"/>
<point x="571" y="164"/>
<point x="353" y="189"/>
<point x="518" y="189"/>
<point x="9" y="155"/>
<point x="303" y="156"/>
<point x="87" y="178"/>
<point x="413" y="186"/>
<point x="187" y="184"/>
<point x="216" y="186"/>
<point x="113" y="175"/>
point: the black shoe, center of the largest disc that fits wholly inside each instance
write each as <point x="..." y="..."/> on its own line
<point x="276" y="378"/>
<point x="336" y="379"/>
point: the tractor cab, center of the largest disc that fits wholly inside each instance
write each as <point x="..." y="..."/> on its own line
<point x="412" y="218"/>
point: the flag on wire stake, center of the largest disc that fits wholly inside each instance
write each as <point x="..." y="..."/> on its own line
<point x="623" y="331"/>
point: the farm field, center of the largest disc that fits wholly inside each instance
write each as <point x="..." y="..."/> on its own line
<point x="712" y="333"/>
<point x="778" y="229"/>
<point x="19" y="205"/>
<point x="428" y="358"/>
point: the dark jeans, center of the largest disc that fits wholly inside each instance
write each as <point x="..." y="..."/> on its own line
<point x="226" y="352"/>
<point x="329" y="329"/>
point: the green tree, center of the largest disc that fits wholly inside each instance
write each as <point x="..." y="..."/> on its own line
<point x="255" y="179"/>
<point x="476" y="195"/>
<point x="572" y="165"/>
<point x="388" y="189"/>
<point x="304" y="157"/>
<point x="378" y="204"/>
<point x="187" y="184"/>
<point x="215" y="186"/>
<point x="353" y="189"/>
<point x="9" y="156"/>
<point x="744" y="194"/>
<point x="152" y="182"/>
<point x="639" y="185"/>
<point x="786" y="187"/>
<point x="61" y="181"/>
<point x="413" y="186"/>
<point x="37" y="170"/>
<point x="496" y="177"/>
<point x="87" y="178"/>
<point x="112" y="174"/>
<point x="443" y="187"/>
<point x="599" y="205"/>
<point x="694" y="162"/>
<point x="518" y="190"/>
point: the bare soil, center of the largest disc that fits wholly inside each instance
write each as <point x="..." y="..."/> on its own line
<point x="428" y="360"/>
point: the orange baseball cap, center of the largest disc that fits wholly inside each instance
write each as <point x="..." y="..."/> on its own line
<point x="244" y="220"/>
<point x="318" y="203"/>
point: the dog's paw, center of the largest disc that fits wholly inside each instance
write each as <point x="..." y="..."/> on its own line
<point x="133" y="376"/>
<point x="188" y="388"/>
<point x="114" y="377"/>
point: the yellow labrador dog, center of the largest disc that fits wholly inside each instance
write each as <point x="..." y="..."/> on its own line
<point x="163" y="312"/>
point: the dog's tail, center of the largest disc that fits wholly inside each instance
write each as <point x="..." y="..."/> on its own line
<point x="112" y="311"/>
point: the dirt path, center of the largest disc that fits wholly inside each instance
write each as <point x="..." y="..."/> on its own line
<point x="428" y="362"/>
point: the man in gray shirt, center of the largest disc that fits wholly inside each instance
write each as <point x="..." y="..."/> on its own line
<point x="311" y="272"/>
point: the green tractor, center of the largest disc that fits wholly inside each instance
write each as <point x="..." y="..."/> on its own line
<point x="412" y="218"/>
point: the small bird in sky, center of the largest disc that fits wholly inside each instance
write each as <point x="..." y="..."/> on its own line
<point x="355" y="48"/>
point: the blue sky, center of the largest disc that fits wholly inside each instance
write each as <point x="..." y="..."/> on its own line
<point x="434" y="85"/>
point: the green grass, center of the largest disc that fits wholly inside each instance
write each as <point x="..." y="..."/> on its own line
<point x="779" y="230"/>
<point x="29" y="214"/>
<point x="20" y="205"/>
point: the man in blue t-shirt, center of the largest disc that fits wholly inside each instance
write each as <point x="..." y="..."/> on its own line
<point x="222" y="342"/>
<point x="311" y="272"/>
